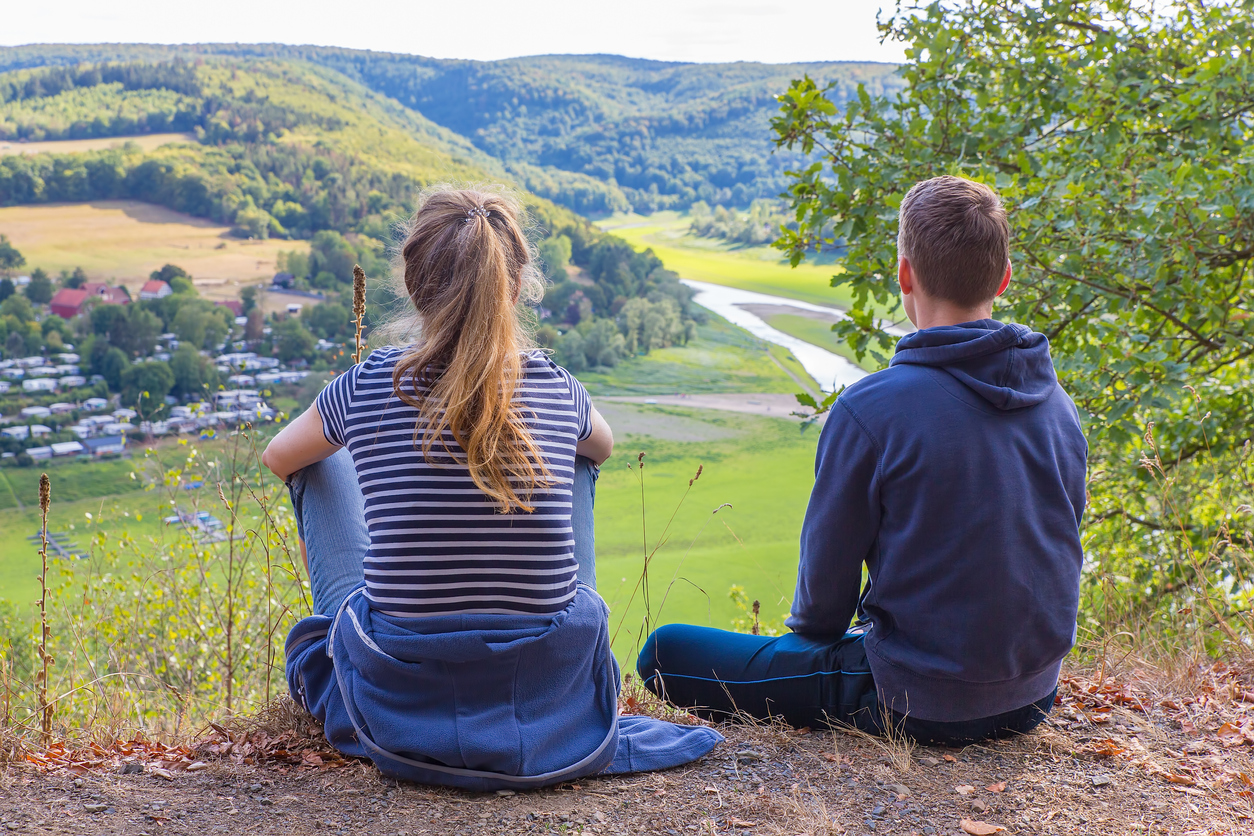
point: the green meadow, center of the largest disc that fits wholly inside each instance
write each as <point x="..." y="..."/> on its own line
<point x="722" y="358"/>
<point x="759" y="269"/>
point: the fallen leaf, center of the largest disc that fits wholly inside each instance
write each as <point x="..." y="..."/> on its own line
<point x="979" y="828"/>
<point x="828" y="756"/>
<point x="712" y="790"/>
<point x="735" y="822"/>
<point x="964" y="789"/>
<point x="162" y="773"/>
<point x="1000" y="786"/>
<point x="1172" y="778"/>
<point x="950" y="758"/>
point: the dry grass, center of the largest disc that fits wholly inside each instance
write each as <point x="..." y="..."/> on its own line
<point x="126" y="240"/>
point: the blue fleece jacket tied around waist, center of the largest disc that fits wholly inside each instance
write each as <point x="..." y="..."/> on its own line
<point x="482" y="702"/>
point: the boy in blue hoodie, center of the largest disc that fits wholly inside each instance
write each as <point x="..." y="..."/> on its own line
<point x="956" y="475"/>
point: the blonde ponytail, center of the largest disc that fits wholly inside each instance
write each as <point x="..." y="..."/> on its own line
<point x="466" y="265"/>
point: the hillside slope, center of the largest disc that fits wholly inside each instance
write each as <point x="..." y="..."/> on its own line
<point x="597" y="133"/>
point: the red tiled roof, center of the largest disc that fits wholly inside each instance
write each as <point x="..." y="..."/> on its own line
<point x="152" y="286"/>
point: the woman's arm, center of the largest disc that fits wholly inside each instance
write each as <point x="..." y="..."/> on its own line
<point x="300" y="443"/>
<point x="600" y="444"/>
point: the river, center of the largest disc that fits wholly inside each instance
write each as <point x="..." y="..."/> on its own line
<point x="830" y="370"/>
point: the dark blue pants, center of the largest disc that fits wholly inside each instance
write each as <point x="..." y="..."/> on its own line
<point x="804" y="680"/>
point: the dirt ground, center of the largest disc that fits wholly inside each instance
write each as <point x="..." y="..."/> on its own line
<point x="74" y="146"/>
<point x="1112" y="759"/>
<point x="772" y="405"/>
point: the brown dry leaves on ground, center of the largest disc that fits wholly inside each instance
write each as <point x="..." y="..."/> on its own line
<point x="1117" y="756"/>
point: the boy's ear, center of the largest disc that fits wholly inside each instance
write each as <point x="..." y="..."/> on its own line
<point x="1005" y="280"/>
<point x="905" y="276"/>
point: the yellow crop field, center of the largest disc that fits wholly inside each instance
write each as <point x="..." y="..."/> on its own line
<point x="147" y="142"/>
<point x="125" y="240"/>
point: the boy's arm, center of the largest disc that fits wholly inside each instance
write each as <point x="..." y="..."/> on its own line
<point x="841" y="524"/>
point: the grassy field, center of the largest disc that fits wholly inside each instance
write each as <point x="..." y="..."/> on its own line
<point x="126" y="240"/>
<point x="722" y="358"/>
<point x="759" y="269"/>
<point x="817" y="332"/>
<point x="147" y="142"/>
<point x="763" y="468"/>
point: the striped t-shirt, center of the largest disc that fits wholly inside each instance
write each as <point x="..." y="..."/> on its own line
<point x="438" y="544"/>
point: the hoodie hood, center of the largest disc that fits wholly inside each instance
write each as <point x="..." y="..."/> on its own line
<point x="1007" y="365"/>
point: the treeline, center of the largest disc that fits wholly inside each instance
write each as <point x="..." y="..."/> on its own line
<point x="597" y="134"/>
<point x="177" y="76"/>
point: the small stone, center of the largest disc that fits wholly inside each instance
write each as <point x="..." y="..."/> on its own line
<point x="93" y="807"/>
<point x="505" y="793"/>
<point x="131" y="768"/>
<point x="878" y="811"/>
<point x="601" y="817"/>
<point x="264" y="802"/>
<point x="901" y="790"/>
<point x="930" y="761"/>
<point x="78" y="782"/>
<point x="928" y="830"/>
<point x="254" y="788"/>
<point x="1102" y="780"/>
<point x="979" y="806"/>
<point x="749" y="755"/>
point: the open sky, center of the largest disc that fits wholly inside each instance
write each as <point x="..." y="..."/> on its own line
<point x="669" y="30"/>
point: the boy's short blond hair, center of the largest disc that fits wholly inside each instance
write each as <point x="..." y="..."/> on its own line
<point x="956" y="237"/>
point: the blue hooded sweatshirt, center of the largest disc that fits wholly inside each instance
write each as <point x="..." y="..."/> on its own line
<point x="957" y="476"/>
<point x="484" y="701"/>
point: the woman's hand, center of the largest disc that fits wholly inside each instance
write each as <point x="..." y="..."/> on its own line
<point x="600" y="444"/>
<point x="297" y="445"/>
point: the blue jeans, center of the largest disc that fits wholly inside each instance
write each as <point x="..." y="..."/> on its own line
<point x="804" y="680"/>
<point x="331" y="520"/>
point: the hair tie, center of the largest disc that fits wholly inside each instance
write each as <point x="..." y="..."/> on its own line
<point x="474" y="211"/>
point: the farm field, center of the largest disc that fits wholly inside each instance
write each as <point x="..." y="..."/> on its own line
<point x="147" y="142"/>
<point x="760" y="269"/>
<point x="126" y="240"/>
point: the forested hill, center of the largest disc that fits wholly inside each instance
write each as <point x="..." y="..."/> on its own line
<point x="596" y="133"/>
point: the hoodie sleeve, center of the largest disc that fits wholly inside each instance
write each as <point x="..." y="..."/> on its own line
<point x="841" y="525"/>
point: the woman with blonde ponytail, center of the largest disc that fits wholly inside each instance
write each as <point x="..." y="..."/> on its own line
<point x="443" y="493"/>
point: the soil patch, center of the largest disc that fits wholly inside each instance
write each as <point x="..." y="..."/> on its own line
<point x="627" y="418"/>
<point x="1109" y="761"/>
<point x="777" y="405"/>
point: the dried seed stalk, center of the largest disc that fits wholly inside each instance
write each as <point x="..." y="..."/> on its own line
<point x="359" y="306"/>
<point x="45" y="708"/>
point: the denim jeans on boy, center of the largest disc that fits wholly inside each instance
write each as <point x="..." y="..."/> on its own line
<point x="331" y="519"/>
<point x="804" y="680"/>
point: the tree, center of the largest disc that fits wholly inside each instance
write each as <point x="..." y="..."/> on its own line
<point x="113" y="366"/>
<point x="73" y="280"/>
<point x="555" y="255"/>
<point x="292" y="340"/>
<point x="1118" y="135"/>
<point x="10" y="258"/>
<point x="332" y="253"/>
<point x="134" y="330"/>
<point x="169" y="273"/>
<point x="39" y="291"/>
<point x="17" y="306"/>
<point x="201" y="324"/>
<point x="194" y="375"/>
<point x="328" y="320"/>
<point x="145" y="385"/>
<point x="248" y="298"/>
<point x="254" y="329"/>
<point x="6" y="288"/>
